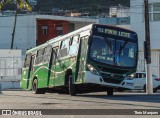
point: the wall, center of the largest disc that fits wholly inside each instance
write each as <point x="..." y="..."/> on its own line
<point x="123" y="22"/>
<point x="78" y="25"/>
<point x="25" y="34"/>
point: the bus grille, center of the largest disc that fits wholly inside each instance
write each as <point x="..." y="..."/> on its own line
<point x="112" y="81"/>
<point x="111" y="70"/>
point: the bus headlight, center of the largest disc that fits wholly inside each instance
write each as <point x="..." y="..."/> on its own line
<point x="92" y="69"/>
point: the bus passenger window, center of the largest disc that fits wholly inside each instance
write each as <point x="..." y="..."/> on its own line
<point x="47" y="53"/>
<point x="64" y="48"/>
<point x="39" y="57"/>
<point x="65" y="44"/>
<point x="74" y="47"/>
<point x="75" y="40"/>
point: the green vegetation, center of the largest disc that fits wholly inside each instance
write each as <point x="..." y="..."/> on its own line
<point x="92" y="6"/>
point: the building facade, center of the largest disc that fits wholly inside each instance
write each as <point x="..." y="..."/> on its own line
<point x="47" y="29"/>
<point x="25" y="33"/>
<point x="33" y="30"/>
<point x="137" y="21"/>
<point x="138" y="25"/>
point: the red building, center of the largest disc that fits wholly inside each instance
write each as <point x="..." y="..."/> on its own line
<point x="48" y="29"/>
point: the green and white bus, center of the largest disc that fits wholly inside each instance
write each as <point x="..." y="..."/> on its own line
<point x="94" y="58"/>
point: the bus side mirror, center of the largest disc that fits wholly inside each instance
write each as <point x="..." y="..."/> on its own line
<point x="89" y="40"/>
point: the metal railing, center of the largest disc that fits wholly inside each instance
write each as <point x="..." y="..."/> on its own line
<point x="155" y="58"/>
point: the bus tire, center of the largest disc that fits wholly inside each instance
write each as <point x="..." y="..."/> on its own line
<point x="35" y="90"/>
<point x="71" y="86"/>
<point x="109" y="91"/>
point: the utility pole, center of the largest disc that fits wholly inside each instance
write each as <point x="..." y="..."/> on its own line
<point x="14" y="26"/>
<point x="147" y="49"/>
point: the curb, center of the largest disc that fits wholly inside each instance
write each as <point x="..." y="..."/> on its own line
<point x="14" y="89"/>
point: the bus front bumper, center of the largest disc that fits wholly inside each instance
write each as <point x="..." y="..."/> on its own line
<point x="97" y="79"/>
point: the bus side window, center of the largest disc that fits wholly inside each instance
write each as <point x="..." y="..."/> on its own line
<point x="74" y="45"/>
<point x="47" y="53"/>
<point x="65" y="44"/>
<point x="64" y="48"/>
<point x="39" y="58"/>
<point x="75" y="40"/>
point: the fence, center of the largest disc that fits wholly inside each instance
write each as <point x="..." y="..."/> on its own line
<point x="155" y="58"/>
<point x="10" y="68"/>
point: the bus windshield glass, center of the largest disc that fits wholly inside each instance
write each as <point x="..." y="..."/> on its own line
<point x="113" y="51"/>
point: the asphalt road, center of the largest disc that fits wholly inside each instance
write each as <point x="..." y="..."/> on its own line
<point x="125" y="101"/>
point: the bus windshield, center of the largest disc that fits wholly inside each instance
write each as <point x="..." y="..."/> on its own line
<point x="113" y="51"/>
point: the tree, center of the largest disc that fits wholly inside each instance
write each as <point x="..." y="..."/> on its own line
<point x="19" y="4"/>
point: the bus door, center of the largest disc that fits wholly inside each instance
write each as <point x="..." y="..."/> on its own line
<point x="26" y="71"/>
<point x="52" y="67"/>
<point x="81" y="59"/>
<point x="30" y="72"/>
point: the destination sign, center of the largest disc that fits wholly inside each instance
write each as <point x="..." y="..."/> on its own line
<point x="115" y="32"/>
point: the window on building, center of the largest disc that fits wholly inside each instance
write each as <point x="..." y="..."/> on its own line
<point x="59" y="30"/>
<point x="154" y="12"/>
<point x="45" y="29"/>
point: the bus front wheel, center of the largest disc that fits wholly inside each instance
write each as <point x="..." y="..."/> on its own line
<point x="71" y="86"/>
<point x="109" y="91"/>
